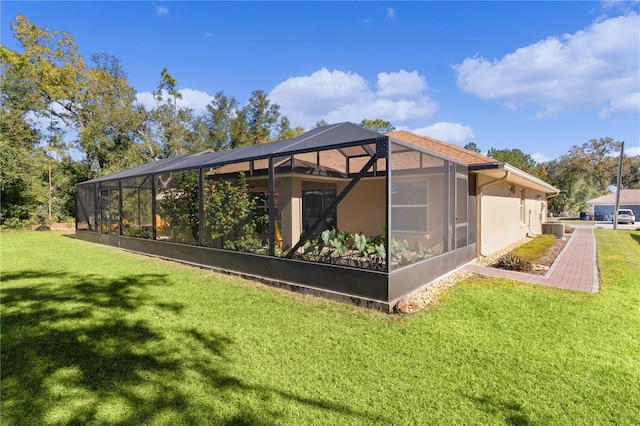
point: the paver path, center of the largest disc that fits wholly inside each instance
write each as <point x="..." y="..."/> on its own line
<point x="574" y="269"/>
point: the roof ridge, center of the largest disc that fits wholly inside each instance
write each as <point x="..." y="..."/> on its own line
<point x="330" y="127"/>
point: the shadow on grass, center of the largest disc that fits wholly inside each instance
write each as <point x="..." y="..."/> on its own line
<point x="511" y="413"/>
<point x="635" y="237"/>
<point x="84" y="349"/>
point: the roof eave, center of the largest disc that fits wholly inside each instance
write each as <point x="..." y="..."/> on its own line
<point x="532" y="181"/>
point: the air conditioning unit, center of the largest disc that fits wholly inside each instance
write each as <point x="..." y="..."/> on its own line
<point x="555" y="228"/>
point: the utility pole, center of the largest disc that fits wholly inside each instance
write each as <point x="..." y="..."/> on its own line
<point x="618" y="188"/>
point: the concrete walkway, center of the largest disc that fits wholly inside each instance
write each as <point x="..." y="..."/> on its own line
<point x="574" y="269"/>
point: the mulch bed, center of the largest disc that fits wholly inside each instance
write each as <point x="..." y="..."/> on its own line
<point x="541" y="265"/>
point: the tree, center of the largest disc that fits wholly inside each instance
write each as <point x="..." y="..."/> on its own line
<point x="471" y="146"/>
<point x="112" y="124"/>
<point x="596" y="158"/>
<point x="588" y="171"/>
<point x="261" y="117"/>
<point x="170" y="123"/>
<point x="96" y="104"/>
<point x="517" y="158"/>
<point x="21" y="153"/>
<point x="285" y="131"/>
<point x="377" y="125"/>
<point x="20" y="159"/>
<point x="218" y="119"/>
<point x="46" y="83"/>
<point x="631" y="172"/>
<point x="321" y="123"/>
<point x="576" y="187"/>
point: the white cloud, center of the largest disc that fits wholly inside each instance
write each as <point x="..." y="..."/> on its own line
<point x="617" y="5"/>
<point x="208" y="34"/>
<point x="454" y="133"/>
<point x="634" y="151"/>
<point x="596" y="66"/>
<point x="161" y="10"/>
<point x="540" y="158"/>
<point x="629" y="150"/>
<point x="401" y="83"/>
<point x="193" y="99"/>
<point x="629" y="104"/>
<point x="391" y="13"/>
<point x="337" y="96"/>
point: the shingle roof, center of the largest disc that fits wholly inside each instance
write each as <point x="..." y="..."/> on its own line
<point x="477" y="162"/>
<point x="627" y="196"/>
<point x="448" y="150"/>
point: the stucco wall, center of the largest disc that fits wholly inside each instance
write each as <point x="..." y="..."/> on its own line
<point x="363" y="209"/>
<point x="501" y="223"/>
<point x="291" y="210"/>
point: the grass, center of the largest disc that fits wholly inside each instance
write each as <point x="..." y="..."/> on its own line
<point x="93" y="335"/>
<point x="535" y="248"/>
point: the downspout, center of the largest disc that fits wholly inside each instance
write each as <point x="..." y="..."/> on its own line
<point x="479" y="207"/>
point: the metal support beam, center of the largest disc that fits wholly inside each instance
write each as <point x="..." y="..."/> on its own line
<point x="387" y="212"/>
<point x="120" y="225"/>
<point x="154" y="231"/>
<point x="305" y="236"/>
<point x="200" y="205"/>
<point x="272" y="209"/>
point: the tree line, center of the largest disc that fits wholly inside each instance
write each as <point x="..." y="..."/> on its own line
<point x="585" y="172"/>
<point x="64" y="120"/>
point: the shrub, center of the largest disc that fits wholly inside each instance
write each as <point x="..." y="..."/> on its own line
<point x="511" y="262"/>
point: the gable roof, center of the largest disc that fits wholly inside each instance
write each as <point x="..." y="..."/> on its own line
<point x="443" y="148"/>
<point x="627" y="196"/>
<point x="478" y="163"/>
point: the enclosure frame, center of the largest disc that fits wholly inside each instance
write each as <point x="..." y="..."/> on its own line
<point x="379" y="289"/>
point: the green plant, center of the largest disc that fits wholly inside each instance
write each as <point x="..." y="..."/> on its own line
<point x="403" y="253"/>
<point x="342" y="248"/>
<point x="230" y="220"/>
<point x="511" y="262"/>
<point x="178" y="206"/>
<point x="372" y="251"/>
<point x="138" y="232"/>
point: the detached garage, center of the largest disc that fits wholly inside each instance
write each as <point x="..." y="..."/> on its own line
<point x="602" y="208"/>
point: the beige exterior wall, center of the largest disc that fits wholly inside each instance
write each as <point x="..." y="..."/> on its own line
<point x="500" y="218"/>
<point x="363" y="209"/>
<point x="290" y="200"/>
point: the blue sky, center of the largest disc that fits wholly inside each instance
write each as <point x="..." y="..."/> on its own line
<point x="538" y="76"/>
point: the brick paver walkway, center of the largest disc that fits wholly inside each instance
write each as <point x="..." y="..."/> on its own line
<point x="574" y="269"/>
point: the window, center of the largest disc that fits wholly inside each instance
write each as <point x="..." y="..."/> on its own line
<point x="409" y="206"/>
<point x="522" y="198"/>
<point x="314" y="203"/>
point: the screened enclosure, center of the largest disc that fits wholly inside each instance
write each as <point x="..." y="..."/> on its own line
<point x="339" y="211"/>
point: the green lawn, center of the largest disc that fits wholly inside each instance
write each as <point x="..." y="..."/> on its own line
<point x="93" y="335"/>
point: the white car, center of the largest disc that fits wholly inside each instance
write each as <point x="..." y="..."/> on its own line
<point x="626" y="216"/>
